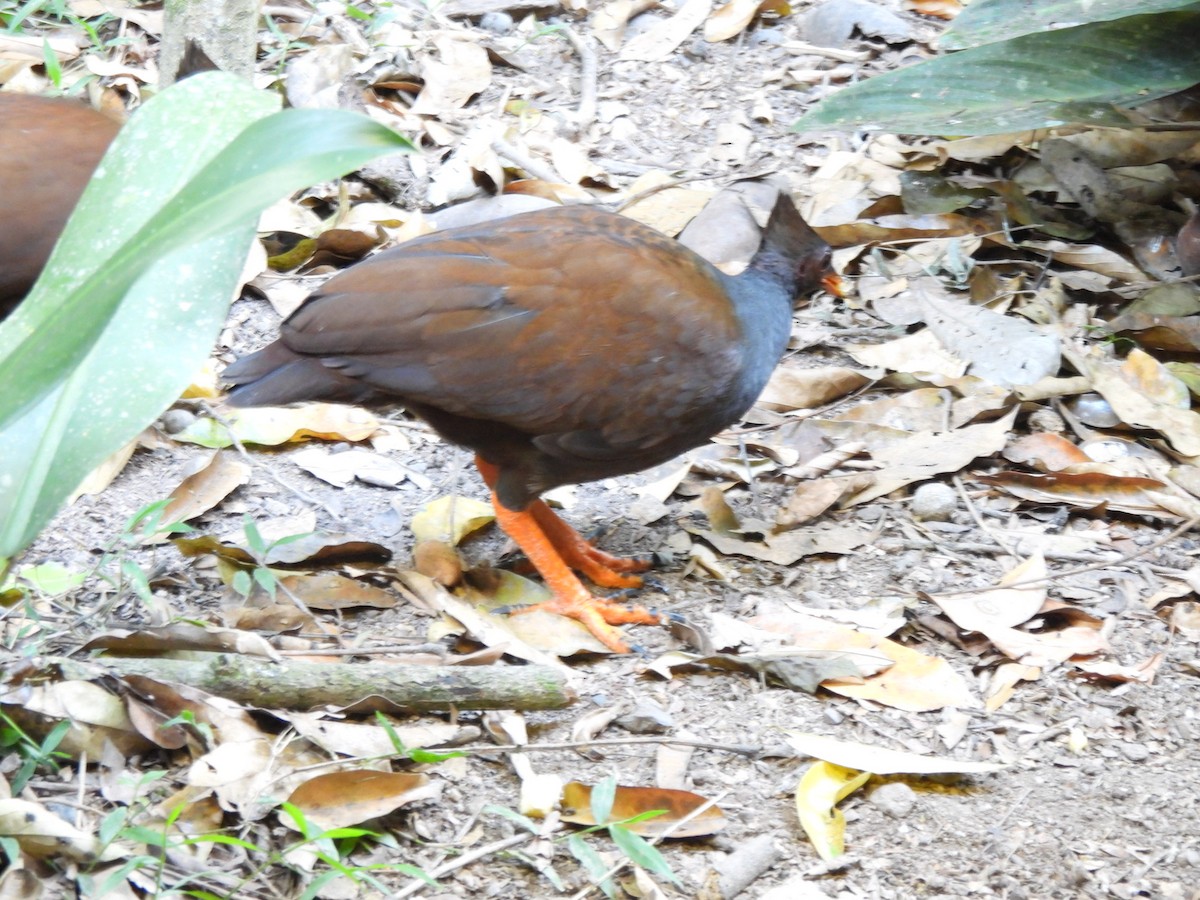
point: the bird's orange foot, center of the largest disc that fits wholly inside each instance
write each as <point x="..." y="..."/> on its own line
<point x="597" y="614"/>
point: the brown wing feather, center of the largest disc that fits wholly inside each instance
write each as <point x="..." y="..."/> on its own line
<point x="526" y="328"/>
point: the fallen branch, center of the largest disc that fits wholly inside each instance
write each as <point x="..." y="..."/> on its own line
<point x="291" y="684"/>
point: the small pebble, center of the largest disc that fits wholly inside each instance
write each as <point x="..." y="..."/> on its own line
<point x="895" y="798"/>
<point x="1135" y="752"/>
<point x="176" y="420"/>
<point x="934" y="502"/>
<point x="496" y="22"/>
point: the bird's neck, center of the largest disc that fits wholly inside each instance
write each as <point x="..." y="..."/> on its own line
<point x="763" y="300"/>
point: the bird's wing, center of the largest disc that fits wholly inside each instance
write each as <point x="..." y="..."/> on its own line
<point x="575" y="324"/>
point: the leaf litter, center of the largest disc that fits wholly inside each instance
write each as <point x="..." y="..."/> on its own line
<point x="940" y="366"/>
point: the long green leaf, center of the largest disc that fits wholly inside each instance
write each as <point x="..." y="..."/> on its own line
<point x="987" y="21"/>
<point x="1075" y="75"/>
<point x="136" y="291"/>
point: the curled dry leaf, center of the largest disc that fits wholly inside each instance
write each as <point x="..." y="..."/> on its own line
<point x="341" y="799"/>
<point x="309" y="549"/>
<point x="660" y="40"/>
<point x="363" y="739"/>
<point x="200" y="492"/>
<point x="915" y="682"/>
<point x="1045" y="452"/>
<point x="921" y="352"/>
<point x="1090" y="257"/>
<point x="730" y="19"/>
<point x="1004" y="683"/>
<point x="788" y="547"/>
<point x="182" y="636"/>
<point x="635" y="801"/>
<point x="461" y="71"/>
<point x="1091" y="490"/>
<point x="821" y="788"/>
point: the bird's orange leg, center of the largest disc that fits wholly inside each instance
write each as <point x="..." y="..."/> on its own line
<point x="600" y="568"/>
<point x="571" y="598"/>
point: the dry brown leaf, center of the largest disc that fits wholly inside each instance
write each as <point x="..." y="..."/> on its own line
<point x="1088" y="490"/>
<point x="1005" y="350"/>
<point x="919" y="353"/>
<point x="105" y="473"/>
<point x="537" y="636"/>
<point x="342" y="799"/>
<point x="1090" y="257"/>
<point x="43" y="834"/>
<point x="1042" y="650"/>
<point x="794" y="388"/>
<point x="634" y="801"/>
<point x="810" y="499"/>
<point x="609" y="21"/>
<point x="1098" y="670"/>
<point x="309" y="549"/>
<point x="270" y="426"/>
<point x="361" y="739"/>
<point x="821" y="788"/>
<point x="916" y="682"/>
<point x="921" y="409"/>
<point x="462" y="70"/>
<point x="337" y="592"/>
<point x="367" y="466"/>
<point x="1004" y="683"/>
<point x="938" y="9"/>
<point x="1045" y="452"/>
<point x="438" y="561"/>
<point x="182" y="636"/>
<point x="785" y="548"/>
<point x="200" y="492"/>
<point x="1001" y="607"/>
<point x="925" y="455"/>
<point x="450" y="519"/>
<point x="1185" y="619"/>
<point x="660" y="40"/>
<point x="730" y="20"/>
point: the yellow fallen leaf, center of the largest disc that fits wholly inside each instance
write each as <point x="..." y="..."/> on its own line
<point x="450" y="519"/>
<point x="821" y="788"/>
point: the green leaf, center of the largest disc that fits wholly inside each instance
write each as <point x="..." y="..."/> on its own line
<point x="592" y="863"/>
<point x="137" y="288"/>
<point x="513" y="816"/>
<point x="603" y="795"/>
<point x="1074" y="75"/>
<point x="641" y="852"/>
<point x="987" y="21"/>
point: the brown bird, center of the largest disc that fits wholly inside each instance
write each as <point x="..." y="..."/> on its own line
<point x="563" y="345"/>
<point x="48" y="151"/>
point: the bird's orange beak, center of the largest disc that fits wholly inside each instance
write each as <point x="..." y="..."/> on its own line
<point x="832" y="282"/>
